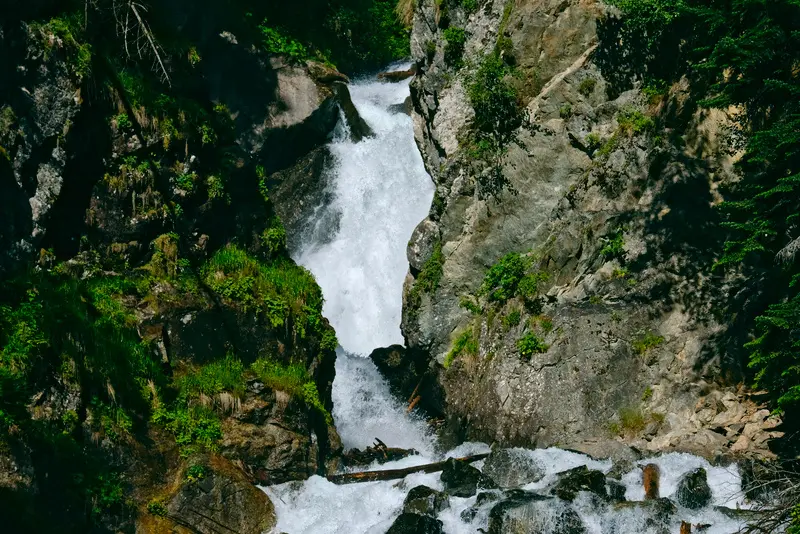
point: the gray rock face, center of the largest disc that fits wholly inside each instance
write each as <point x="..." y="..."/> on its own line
<point x="617" y="219"/>
<point x="693" y="490"/>
<point x="512" y="468"/>
<point x="534" y="514"/>
<point x="463" y="480"/>
<point x="35" y="125"/>
<point x="415" y="524"/>
<point x="423" y="500"/>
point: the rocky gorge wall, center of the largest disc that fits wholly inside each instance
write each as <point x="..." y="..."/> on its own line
<point x="156" y="211"/>
<point x="607" y="323"/>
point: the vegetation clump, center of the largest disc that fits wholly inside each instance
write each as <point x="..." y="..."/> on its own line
<point x="646" y="342"/>
<point x="531" y="344"/>
<point x="465" y="343"/>
<point x="292" y="379"/>
<point x="454" y="49"/>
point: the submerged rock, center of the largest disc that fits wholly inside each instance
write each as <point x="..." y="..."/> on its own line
<point x="423" y="500"/>
<point x="512" y="468"/>
<point x="463" y="480"/>
<point x="580" y="479"/>
<point x="415" y="524"/>
<point x="693" y="489"/>
<point x="531" y="513"/>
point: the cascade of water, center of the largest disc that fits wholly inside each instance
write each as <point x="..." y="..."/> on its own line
<point x="381" y="192"/>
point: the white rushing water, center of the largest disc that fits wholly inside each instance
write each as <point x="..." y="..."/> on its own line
<point x="381" y="191"/>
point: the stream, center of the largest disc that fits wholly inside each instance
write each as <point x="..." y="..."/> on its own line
<point x="381" y="192"/>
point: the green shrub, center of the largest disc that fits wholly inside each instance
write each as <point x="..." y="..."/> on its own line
<point x="216" y="187"/>
<point x="655" y="90"/>
<point x="68" y="29"/>
<point x="469" y="5"/>
<point x="276" y="42"/>
<point x="632" y="419"/>
<point x="565" y="111"/>
<point x="546" y="323"/>
<point x="469" y="304"/>
<point x="593" y="141"/>
<point x="329" y="340"/>
<point x="106" y="492"/>
<point x="614" y="246"/>
<point x="646" y="342"/>
<point x="196" y="472"/>
<point x="587" y="86"/>
<point x="274" y="237"/>
<point x="528" y="287"/>
<point x="530" y="344"/>
<point x="502" y="278"/>
<point x="157" y="508"/>
<point x="497" y="111"/>
<point x="465" y="343"/>
<point x="195" y="428"/>
<point x="512" y="319"/>
<point x="648" y="394"/>
<point x="123" y="122"/>
<point x="454" y="49"/>
<point x="632" y="121"/>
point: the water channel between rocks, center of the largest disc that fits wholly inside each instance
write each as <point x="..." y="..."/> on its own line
<point x="381" y="191"/>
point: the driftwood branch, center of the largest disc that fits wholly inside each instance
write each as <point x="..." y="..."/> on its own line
<point x="393" y="474"/>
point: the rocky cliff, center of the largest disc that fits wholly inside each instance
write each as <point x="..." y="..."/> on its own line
<point x="161" y="353"/>
<point x="562" y="283"/>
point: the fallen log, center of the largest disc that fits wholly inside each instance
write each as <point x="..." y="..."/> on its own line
<point x="393" y="474"/>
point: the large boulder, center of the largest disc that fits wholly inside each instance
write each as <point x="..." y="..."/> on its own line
<point x="512" y="468"/>
<point x="534" y="514"/>
<point x="693" y="489"/>
<point x="423" y="500"/>
<point x="415" y="524"/>
<point x="641" y="516"/>
<point x="463" y="480"/>
<point x="222" y="501"/>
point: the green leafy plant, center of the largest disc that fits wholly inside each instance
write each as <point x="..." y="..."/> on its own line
<point x="632" y="121"/>
<point x="196" y="472"/>
<point x="512" y="319"/>
<point x="276" y="42"/>
<point x="274" y="237"/>
<point x="587" y="86"/>
<point x="293" y="379"/>
<point x="502" y="278"/>
<point x="530" y="344"/>
<point x="157" y="508"/>
<point x="565" y="111"/>
<point x="646" y="342"/>
<point x="614" y="246"/>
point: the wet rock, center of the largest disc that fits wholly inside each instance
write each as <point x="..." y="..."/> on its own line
<point x="693" y="489"/>
<point x="406" y="371"/>
<point x="415" y="524"/>
<point x="423" y="500"/>
<point x="406" y="107"/>
<point x="463" y="480"/>
<point x="422" y="243"/>
<point x="359" y="129"/>
<point x="581" y="478"/>
<point x="616" y="490"/>
<point x="224" y="500"/>
<point x="484" y="498"/>
<point x="325" y="74"/>
<point x="531" y="513"/>
<point x="512" y="468"/>
<point x="655" y="516"/>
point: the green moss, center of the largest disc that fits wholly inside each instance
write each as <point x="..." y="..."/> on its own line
<point x="428" y="279"/>
<point x="530" y="344"/>
<point x="465" y="343"/>
<point x="648" y="394"/>
<point x="646" y="342"/>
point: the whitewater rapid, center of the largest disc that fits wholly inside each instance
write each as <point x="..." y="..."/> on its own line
<point x="381" y="191"/>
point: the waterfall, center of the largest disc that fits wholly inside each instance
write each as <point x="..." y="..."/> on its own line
<point x="381" y="191"/>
